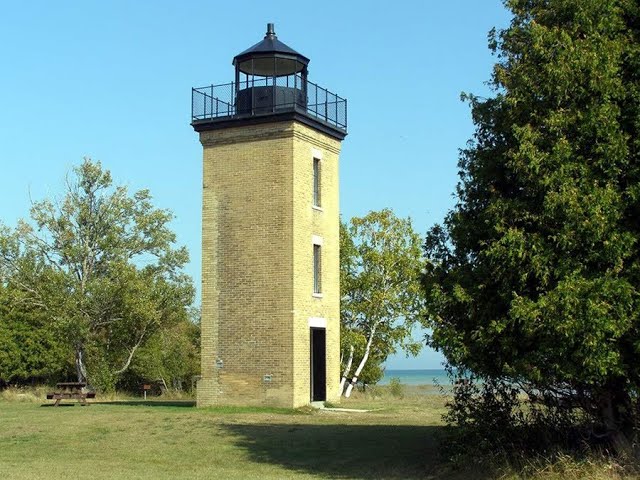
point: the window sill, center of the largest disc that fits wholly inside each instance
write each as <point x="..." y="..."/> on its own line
<point x="316" y="295"/>
<point x="317" y="208"/>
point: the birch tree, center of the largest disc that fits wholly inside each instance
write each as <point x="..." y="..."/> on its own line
<point x="103" y="266"/>
<point x="382" y="299"/>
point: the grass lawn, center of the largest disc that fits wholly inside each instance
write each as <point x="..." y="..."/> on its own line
<point x="137" y="440"/>
<point x="134" y="439"/>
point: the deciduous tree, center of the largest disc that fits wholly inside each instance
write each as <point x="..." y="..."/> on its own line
<point x="382" y="300"/>
<point x="102" y="264"/>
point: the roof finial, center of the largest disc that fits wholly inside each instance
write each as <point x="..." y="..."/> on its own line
<point x="270" y="31"/>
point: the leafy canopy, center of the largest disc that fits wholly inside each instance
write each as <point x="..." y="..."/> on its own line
<point x="534" y="275"/>
<point x="380" y="266"/>
<point x="103" y="266"/>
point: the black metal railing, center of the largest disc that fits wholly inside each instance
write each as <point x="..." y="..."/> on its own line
<point x="268" y="95"/>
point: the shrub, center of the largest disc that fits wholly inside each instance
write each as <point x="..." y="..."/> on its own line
<point x="396" y="388"/>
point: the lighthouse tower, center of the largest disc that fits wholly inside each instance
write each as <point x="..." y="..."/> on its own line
<point x="270" y="221"/>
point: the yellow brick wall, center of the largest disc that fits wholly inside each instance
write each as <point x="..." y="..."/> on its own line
<point x="323" y="223"/>
<point x="257" y="270"/>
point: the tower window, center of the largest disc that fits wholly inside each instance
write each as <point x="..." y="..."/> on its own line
<point x="316" y="182"/>
<point x="317" y="269"/>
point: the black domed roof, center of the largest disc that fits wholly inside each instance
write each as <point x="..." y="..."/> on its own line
<point x="270" y="57"/>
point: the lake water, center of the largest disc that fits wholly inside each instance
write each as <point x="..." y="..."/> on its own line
<point x="417" y="377"/>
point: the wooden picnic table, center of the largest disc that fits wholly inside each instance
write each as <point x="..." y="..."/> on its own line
<point x="70" y="391"/>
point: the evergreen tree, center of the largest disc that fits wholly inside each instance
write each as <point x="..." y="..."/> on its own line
<point x="534" y="278"/>
<point x="31" y="350"/>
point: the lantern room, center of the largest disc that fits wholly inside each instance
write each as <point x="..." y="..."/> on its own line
<point x="270" y="81"/>
<point x="270" y="76"/>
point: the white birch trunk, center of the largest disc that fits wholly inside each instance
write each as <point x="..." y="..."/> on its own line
<point x="347" y="369"/>
<point x="363" y="362"/>
<point x="131" y="353"/>
<point x="164" y="384"/>
<point x="81" y="370"/>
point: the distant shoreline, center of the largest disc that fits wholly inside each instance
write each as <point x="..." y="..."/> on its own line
<point x="417" y="377"/>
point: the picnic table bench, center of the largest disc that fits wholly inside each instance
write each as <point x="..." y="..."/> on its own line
<point x="70" y="391"/>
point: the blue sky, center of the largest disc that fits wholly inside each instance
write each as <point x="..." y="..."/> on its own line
<point x="112" y="80"/>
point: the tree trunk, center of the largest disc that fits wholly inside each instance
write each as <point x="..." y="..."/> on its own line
<point x="164" y="384"/>
<point x="81" y="370"/>
<point x="347" y="369"/>
<point x="615" y="411"/>
<point x="132" y="353"/>
<point x="363" y="362"/>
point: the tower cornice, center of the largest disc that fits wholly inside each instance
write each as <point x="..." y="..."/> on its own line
<point x="286" y="116"/>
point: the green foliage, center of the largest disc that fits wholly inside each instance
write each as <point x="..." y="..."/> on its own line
<point x="30" y="349"/>
<point x="396" y="389"/>
<point x="496" y="429"/>
<point x="170" y="358"/>
<point x="373" y="370"/>
<point x="534" y="276"/>
<point x="101" y="265"/>
<point x="381" y="297"/>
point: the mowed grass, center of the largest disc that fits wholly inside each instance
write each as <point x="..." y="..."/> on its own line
<point x="132" y="439"/>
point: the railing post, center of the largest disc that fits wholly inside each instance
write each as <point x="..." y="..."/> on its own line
<point x="345" y="113"/>
<point x="326" y="105"/>
<point x="204" y="102"/>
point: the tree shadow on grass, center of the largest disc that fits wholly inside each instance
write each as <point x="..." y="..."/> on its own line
<point x="348" y="451"/>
